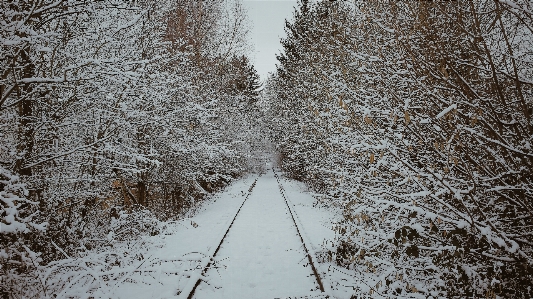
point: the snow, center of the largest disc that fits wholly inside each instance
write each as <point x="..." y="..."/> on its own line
<point x="261" y="256"/>
<point x="515" y="6"/>
<point x="185" y="247"/>
<point x="316" y="222"/>
<point x="445" y="111"/>
<point x="41" y="80"/>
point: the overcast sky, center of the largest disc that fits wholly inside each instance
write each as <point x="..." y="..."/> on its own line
<point x="268" y="20"/>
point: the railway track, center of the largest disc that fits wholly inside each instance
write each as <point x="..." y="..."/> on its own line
<point x="310" y="259"/>
<point x="189" y="290"/>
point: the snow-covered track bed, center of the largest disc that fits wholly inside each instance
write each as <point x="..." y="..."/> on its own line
<point x="264" y="255"/>
<point x="206" y="264"/>
<point x="293" y="214"/>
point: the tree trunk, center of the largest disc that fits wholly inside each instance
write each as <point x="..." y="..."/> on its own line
<point x="141" y="189"/>
<point x="25" y="111"/>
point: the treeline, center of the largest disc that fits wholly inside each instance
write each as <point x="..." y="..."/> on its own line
<point x="415" y="117"/>
<point x="111" y="107"/>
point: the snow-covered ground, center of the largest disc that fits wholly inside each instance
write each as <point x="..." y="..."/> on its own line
<point x="160" y="266"/>
<point x="261" y="256"/>
<point x="316" y="224"/>
<point x="186" y="247"/>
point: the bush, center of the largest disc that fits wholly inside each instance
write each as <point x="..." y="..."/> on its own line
<point x="18" y="229"/>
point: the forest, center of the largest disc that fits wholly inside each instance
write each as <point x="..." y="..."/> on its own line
<point x="412" y="120"/>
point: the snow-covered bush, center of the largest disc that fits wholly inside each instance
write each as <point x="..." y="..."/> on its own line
<point x="17" y="229"/>
<point x="129" y="226"/>
<point x="416" y="118"/>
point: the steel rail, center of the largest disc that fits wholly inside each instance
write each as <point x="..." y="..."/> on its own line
<point x="315" y="272"/>
<point x="206" y="268"/>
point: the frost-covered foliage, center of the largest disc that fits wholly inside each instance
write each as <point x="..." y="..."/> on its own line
<point x="416" y="118"/>
<point x="110" y="107"/>
<point x="17" y="227"/>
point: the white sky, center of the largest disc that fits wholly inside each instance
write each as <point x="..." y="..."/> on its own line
<point x="268" y="21"/>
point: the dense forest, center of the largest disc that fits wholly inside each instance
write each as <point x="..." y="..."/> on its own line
<point x="113" y="114"/>
<point x="413" y="119"/>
